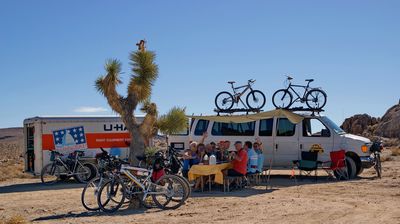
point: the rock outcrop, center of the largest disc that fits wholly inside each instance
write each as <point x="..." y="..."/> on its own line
<point x="389" y="125"/>
<point x="359" y="123"/>
<point x="386" y="128"/>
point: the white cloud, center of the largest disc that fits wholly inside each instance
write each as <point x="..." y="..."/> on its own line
<point x="90" y="110"/>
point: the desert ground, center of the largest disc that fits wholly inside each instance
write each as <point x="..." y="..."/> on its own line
<point x="363" y="200"/>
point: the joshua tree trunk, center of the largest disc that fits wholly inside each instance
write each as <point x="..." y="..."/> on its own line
<point x="137" y="145"/>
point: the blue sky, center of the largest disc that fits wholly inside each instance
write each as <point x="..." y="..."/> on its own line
<point x="52" y="51"/>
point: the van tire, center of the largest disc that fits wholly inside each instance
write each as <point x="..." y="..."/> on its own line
<point x="351" y="167"/>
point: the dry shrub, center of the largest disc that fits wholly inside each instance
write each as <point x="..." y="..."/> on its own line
<point x="392" y="142"/>
<point x="17" y="219"/>
<point x="395" y="151"/>
<point x="12" y="169"/>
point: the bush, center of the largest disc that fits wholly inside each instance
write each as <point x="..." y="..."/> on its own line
<point x="17" y="219"/>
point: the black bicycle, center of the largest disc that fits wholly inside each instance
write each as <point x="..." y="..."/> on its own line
<point x="315" y="98"/>
<point x="376" y="150"/>
<point x="63" y="168"/>
<point x="255" y="99"/>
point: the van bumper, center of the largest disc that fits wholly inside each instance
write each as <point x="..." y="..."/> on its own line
<point x="366" y="162"/>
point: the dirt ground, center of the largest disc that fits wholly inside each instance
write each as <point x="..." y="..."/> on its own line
<point x="363" y="200"/>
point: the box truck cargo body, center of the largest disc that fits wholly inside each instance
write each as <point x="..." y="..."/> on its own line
<point x="66" y="134"/>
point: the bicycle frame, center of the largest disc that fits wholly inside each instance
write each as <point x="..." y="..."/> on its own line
<point x="295" y="92"/>
<point x="70" y="172"/>
<point x="125" y="170"/>
<point x="238" y="95"/>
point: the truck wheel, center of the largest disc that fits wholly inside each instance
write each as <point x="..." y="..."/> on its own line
<point x="360" y="171"/>
<point x="351" y="167"/>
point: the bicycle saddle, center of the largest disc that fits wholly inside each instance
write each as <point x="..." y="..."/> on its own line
<point x="231" y="82"/>
<point x="309" y="80"/>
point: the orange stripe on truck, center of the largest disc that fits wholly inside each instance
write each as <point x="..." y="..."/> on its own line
<point x="94" y="140"/>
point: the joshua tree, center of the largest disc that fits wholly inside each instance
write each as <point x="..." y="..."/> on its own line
<point x="144" y="74"/>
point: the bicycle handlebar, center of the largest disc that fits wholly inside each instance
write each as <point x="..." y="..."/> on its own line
<point x="251" y="80"/>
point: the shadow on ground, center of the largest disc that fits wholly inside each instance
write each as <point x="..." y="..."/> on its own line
<point x="124" y="210"/>
<point x="38" y="186"/>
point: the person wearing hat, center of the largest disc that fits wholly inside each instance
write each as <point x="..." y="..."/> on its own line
<point x="190" y="158"/>
<point x="239" y="161"/>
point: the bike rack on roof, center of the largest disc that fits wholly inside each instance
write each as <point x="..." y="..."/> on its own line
<point x="302" y="109"/>
<point x="237" y="110"/>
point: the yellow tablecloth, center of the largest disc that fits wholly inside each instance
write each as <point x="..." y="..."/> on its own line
<point x="205" y="170"/>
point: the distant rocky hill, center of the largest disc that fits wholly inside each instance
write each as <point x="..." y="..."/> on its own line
<point x="386" y="127"/>
<point x="11" y="143"/>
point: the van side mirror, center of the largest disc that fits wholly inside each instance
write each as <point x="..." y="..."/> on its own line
<point x="325" y="133"/>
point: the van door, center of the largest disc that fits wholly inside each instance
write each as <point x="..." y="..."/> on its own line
<point x="316" y="135"/>
<point x="265" y="133"/>
<point x="30" y="148"/>
<point x="286" y="148"/>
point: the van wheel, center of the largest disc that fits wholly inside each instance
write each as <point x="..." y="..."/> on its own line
<point x="351" y="167"/>
<point x="360" y="171"/>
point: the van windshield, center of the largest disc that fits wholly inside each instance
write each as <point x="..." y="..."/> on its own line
<point x="332" y="125"/>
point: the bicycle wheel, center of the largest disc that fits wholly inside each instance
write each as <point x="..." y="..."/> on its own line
<point x="50" y="173"/>
<point x="111" y="195"/>
<point x="89" y="194"/>
<point x="378" y="165"/>
<point x="282" y="99"/>
<point x="224" y="101"/>
<point x="255" y="99"/>
<point x="316" y="99"/>
<point x="169" y="192"/>
<point x="83" y="173"/>
<point x="148" y="201"/>
<point x="186" y="183"/>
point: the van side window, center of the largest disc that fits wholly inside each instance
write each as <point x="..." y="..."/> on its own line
<point x="285" y="127"/>
<point x="201" y="127"/>
<point x="233" y="129"/>
<point x="266" y="127"/>
<point x="315" y="128"/>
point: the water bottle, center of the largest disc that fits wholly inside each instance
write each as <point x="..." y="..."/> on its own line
<point x="205" y="159"/>
<point x="213" y="160"/>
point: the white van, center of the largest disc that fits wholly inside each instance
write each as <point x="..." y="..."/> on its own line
<point x="283" y="140"/>
<point x="69" y="133"/>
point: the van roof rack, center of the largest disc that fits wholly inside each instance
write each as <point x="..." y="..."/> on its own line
<point x="237" y="110"/>
<point x="302" y="109"/>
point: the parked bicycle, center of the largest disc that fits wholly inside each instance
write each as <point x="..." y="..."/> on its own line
<point x="72" y="166"/>
<point x="129" y="183"/>
<point x="255" y="99"/>
<point x="169" y="162"/>
<point x="315" y="98"/>
<point x="376" y="150"/>
<point x="106" y="164"/>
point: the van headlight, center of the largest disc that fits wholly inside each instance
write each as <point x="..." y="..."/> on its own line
<point x="364" y="148"/>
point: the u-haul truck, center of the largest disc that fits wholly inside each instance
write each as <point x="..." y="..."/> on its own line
<point x="66" y="134"/>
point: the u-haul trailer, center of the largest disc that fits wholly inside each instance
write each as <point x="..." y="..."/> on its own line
<point x="69" y="133"/>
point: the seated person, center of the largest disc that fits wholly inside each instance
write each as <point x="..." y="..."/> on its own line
<point x="258" y="148"/>
<point x="210" y="150"/>
<point x="239" y="161"/>
<point x="190" y="158"/>
<point x="223" y="153"/>
<point x="252" y="158"/>
<point x="201" y="151"/>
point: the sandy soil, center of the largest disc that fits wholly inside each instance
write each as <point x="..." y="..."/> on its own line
<point x="364" y="200"/>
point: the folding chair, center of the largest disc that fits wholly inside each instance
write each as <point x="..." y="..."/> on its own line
<point x="338" y="166"/>
<point x="308" y="163"/>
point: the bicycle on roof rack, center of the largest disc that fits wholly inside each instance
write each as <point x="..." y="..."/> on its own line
<point x="315" y="98"/>
<point x="255" y="99"/>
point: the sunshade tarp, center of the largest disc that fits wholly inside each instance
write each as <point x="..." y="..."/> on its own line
<point x="294" y="118"/>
